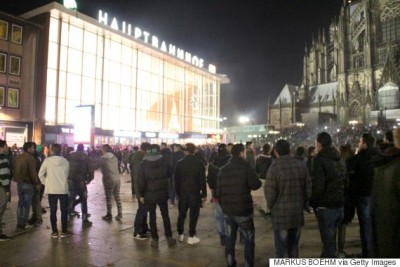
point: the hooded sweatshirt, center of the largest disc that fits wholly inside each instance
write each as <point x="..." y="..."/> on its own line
<point x="109" y="167"/>
<point x="54" y="175"/>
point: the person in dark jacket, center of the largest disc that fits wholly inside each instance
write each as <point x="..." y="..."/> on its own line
<point x="154" y="174"/>
<point x="177" y="155"/>
<point x="385" y="207"/>
<point x="263" y="162"/>
<point x="327" y="197"/>
<point x="363" y="177"/>
<point x="219" y="160"/>
<point x="190" y="184"/>
<point x="80" y="174"/>
<point x="235" y="181"/>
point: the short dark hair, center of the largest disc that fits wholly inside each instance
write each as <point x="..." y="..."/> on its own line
<point x="267" y="148"/>
<point x="56" y="148"/>
<point x="145" y="146"/>
<point x="3" y="143"/>
<point x="80" y="147"/>
<point x="237" y="149"/>
<point x="324" y="139"/>
<point x="310" y="150"/>
<point x="154" y="149"/>
<point x="300" y="151"/>
<point x="190" y="147"/>
<point x="282" y="147"/>
<point x="107" y="148"/>
<point x="248" y="143"/>
<point x="368" y="139"/>
<point x="27" y="145"/>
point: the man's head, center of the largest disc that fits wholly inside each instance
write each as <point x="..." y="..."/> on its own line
<point x="80" y="147"/>
<point x="163" y="145"/>
<point x="323" y="140"/>
<point x="55" y="150"/>
<point x="154" y="149"/>
<point x="29" y="147"/>
<point x="300" y="151"/>
<point x="222" y="148"/>
<point x="3" y="146"/>
<point x="311" y="151"/>
<point x="238" y="150"/>
<point x="190" y="148"/>
<point x="145" y="146"/>
<point x="249" y="145"/>
<point x="267" y="149"/>
<point x="366" y="141"/>
<point x="229" y="147"/>
<point x="106" y="148"/>
<point x="282" y="147"/>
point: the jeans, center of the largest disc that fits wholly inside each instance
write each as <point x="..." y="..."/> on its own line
<point x="287" y="243"/>
<point x="78" y="189"/>
<point x="328" y="223"/>
<point x="245" y="225"/>
<point x="363" y="206"/>
<point x="219" y="218"/>
<point x="140" y="224"/>
<point x="53" y="201"/>
<point x="112" y="188"/>
<point x="151" y="207"/>
<point x="36" y="203"/>
<point x="25" y="194"/>
<point x="191" y="203"/>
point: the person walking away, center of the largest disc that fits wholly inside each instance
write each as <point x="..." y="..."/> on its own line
<point x="235" y="181"/>
<point x="5" y="181"/>
<point x="327" y="198"/>
<point x="220" y="160"/>
<point x="177" y="155"/>
<point x="54" y="175"/>
<point x="263" y="162"/>
<point x="26" y="177"/>
<point x="154" y="175"/>
<point x="80" y="174"/>
<point x="190" y="185"/>
<point x="250" y="154"/>
<point x="287" y="187"/>
<point x="111" y="181"/>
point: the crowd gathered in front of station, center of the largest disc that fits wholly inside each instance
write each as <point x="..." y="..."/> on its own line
<point x="334" y="175"/>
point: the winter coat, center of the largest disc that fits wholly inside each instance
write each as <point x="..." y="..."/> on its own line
<point x="263" y="162"/>
<point x="328" y="179"/>
<point x="135" y="159"/>
<point x="385" y="207"/>
<point x="25" y="169"/>
<point x="109" y="168"/>
<point x="190" y="177"/>
<point x="80" y="167"/>
<point x="213" y="168"/>
<point x="287" y="188"/>
<point x="235" y="181"/>
<point x="54" y="175"/>
<point x="154" y="175"/>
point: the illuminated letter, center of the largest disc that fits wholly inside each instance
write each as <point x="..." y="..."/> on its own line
<point x="188" y="57"/>
<point x="172" y="50"/>
<point x="163" y="46"/>
<point x="126" y="28"/>
<point x="154" y="41"/>
<point x="138" y="32"/>
<point x="181" y="54"/>
<point x="146" y="36"/>
<point x="114" y="24"/>
<point x="212" y="68"/>
<point x="201" y="63"/>
<point x="103" y="18"/>
<point x="195" y="61"/>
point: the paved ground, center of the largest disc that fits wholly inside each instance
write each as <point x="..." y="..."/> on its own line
<point x="111" y="243"/>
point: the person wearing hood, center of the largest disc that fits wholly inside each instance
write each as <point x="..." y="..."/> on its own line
<point x="111" y="181"/>
<point x="154" y="174"/>
<point x="327" y="198"/>
<point x="54" y="175"/>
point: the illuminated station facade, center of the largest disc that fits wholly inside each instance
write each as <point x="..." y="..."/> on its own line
<point x="109" y="81"/>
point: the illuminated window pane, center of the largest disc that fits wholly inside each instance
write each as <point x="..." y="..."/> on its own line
<point x="77" y="37"/>
<point x="114" y="94"/>
<point x="51" y="82"/>
<point x="98" y="91"/>
<point x="70" y="111"/>
<point x="126" y="77"/>
<point x="143" y="80"/>
<point x="53" y="56"/>
<point x="90" y="42"/>
<point x="144" y="61"/>
<point x="74" y="61"/>
<point x="115" y="51"/>
<point x="88" y="91"/>
<point x="73" y="87"/>
<point x="99" y="68"/>
<point x="125" y="97"/>
<point x="115" y="72"/>
<point x="65" y="33"/>
<point x="63" y="58"/>
<point x="155" y="84"/>
<point x="50" y="114"/>
<point x="89" y="63"/>
<point x="113" y="117"/>
<point x="62" y="84"/>
<point x="54" y="30"/>
<point x="126" y="55"/>
<point x="61" y="111"/>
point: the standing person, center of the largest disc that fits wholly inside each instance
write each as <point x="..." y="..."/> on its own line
<point x="177" y="155"/>
<point x="263" y="162"/>
<point x="36" y="218"/>
<point x="363" y="178"/>
<point x="250" y="155"/>
<point x="111" y="181"/>
<point x="140" y="224"/>
<point x="54" y="175"/>
<point x="190" y="184"/>
<point x="5" y="180"/>
<point x="80" y="174"/>
<point x="26" y="177"/>
<point x="220" y="160"/>
<point x="154" y="175"/>
<point x="125" y="160"/>
<point x="327" y="197"/>
<point x="235" y="181"/>
<point x="287" y="187"/>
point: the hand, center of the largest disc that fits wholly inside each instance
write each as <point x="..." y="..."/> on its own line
<point x="141" y="199"/>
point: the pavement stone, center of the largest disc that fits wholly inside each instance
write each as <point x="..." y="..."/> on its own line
<point x="111" y="243"/>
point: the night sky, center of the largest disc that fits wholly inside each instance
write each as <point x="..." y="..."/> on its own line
<point x="258" y="44"/>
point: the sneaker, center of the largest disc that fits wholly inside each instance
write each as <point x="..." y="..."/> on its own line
<point x="54" y="235"/>
<point x="193" y="240"/>
<point x="181" y="237"/>
<point x="64" y="235"/>
<point x="107" y="217"/>
<point x="3" y="237"/>
<point x="171" y="241"/>
<point x="154" y="243"/>
<point x="87" y="223"/>
<point x="118" y="217"/>
<point x="140" y="236"/>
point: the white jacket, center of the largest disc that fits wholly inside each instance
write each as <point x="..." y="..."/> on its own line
<point x="54" y="175"/>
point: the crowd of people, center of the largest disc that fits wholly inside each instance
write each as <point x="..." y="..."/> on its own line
<point x="336" y="176"/>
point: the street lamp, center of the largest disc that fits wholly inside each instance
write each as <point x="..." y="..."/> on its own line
<point x="244" y="119"/>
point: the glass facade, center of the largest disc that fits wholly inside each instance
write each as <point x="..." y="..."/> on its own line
<point x="132" y="86"/>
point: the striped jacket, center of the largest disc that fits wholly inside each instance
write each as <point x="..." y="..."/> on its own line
<point x="5" y="172"/>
